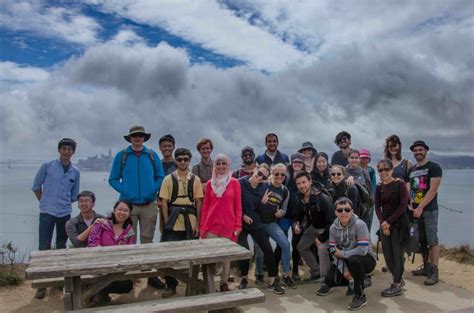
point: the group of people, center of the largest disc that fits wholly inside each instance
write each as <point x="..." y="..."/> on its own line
<point x="327" y="207"/>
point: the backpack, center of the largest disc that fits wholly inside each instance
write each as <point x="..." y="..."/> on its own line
<point x="365" y="202"/>
<point x="190" y="189"/>
<point x="151" y="155"/>
<point x="323" y="189"/>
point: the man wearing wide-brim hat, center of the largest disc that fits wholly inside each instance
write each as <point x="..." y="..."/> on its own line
<point x="137" y="174"/>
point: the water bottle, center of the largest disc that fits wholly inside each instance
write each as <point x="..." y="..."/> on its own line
<point x="351" y="284"/>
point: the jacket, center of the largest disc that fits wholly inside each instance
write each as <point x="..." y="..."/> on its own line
<point x="103" y="235"/>
<point x="76" y="226"/>
<point x="139" y="182"/>
<point x="279" y="158"/>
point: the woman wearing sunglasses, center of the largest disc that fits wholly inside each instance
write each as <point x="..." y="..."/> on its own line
<point x="391" y="198"/>
<point x="320" y="173"/>
<point x="222" y="208"/>
<point x="253" y="188"/>
<point x="393" y="152"/>
<point x="339" y="187"/>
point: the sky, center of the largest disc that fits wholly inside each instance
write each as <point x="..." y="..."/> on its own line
<point x="234" y="71"/>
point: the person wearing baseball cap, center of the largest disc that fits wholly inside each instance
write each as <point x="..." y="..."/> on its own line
<point x="425" y="179"/>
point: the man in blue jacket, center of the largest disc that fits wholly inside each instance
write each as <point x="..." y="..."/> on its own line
<point x="137" y="174"/>
<point x="272" y="155"/>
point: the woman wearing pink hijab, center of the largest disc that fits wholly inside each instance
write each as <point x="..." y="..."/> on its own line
<point x="222" y="208"/>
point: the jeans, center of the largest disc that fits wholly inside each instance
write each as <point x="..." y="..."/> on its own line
<point x="295" y="255"/>
<point x="277" y="234"/>
<point x="46" y="228"/>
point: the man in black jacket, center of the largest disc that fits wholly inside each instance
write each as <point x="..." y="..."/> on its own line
<point x="315" y="211"/>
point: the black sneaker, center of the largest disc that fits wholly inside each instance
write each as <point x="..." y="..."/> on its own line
<point x="288" y="282"/>
<point x="324" y="290"/>
<point x="276" y="288"/>
<point x="423" y="270"/>
<point x="40" y="293"/>
<point x="243" y="284"/>
<point x="156" y="282"/>
<point x="402" y="284"/>
<point x="433" y="276"/>
<point x="296" y="277"/>
<point x="357" y="302"/>
<point x="169" y="292"/>
<point x="258" y="279"/>
<point x="367" y="281"/>
<point x="312" y="279"/>
<point x="392" y="291"/>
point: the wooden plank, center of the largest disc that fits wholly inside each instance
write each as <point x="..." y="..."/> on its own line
<point x="76" y="293"/>
<point x="213" y="301"/>
<point x="193" y="274"/>
<point x="208" y="271"/>
<point x="101" y="284"/>
<point x="68" y="294"/>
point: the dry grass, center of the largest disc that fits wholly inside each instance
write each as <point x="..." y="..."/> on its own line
<point x="462" y="254"/>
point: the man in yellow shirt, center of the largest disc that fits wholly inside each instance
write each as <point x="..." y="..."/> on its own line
<point x="181" y="195"/>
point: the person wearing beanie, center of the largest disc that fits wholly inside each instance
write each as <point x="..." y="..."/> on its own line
<point x="248" y="165"/>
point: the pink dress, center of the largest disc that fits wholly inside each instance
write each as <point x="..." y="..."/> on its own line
<point x="103" y="235"/>
<point x="222" y="216"/>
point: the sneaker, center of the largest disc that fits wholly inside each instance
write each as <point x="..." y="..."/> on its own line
<point x="40" y="293"/>
<point x="231" y="278"/>
<point x="392" y="291"/>
<point x="296" y="277"/>
<point x="276" y="288"/>
<point x="243" y="284"/>
<point x="224" y="287"/>
<point x="324" y="290"/>
<point x="423" y="270"/>
<point x="402" y="284"/>
<point x="357" y="302"/>
<point x="258" y="279"/>
<point x="312" y="279"/>
<point x="156" y="282"/>
<point x="433" y="276"/>
<point x="367" y="281"/>
<point x="169" y="292"/>
<point x="288" y="282"/>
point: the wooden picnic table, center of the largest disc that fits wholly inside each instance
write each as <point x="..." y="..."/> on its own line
<point x="113" y="262"/>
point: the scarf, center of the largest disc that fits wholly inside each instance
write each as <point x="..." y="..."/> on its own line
<point x="219" y="182"/>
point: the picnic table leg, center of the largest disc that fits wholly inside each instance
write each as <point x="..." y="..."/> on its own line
<point x="193" y="274"/>
<point x="208" y="271"/>
<point x="72" y="293"/>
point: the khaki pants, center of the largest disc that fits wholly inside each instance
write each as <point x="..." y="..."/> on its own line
<point x="146" y="216"/>
<point x="222" y="268"/>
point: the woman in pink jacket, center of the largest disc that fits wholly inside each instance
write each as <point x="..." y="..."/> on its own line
<point x="117" y="230"/>
<point x="222" y="209"/>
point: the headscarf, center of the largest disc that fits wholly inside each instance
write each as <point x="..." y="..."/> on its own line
<point x="219" y="182"/>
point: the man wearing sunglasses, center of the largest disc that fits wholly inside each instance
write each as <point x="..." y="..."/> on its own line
<point x="248" y="163"/>
<point x="349" y="245"/>
<point x="181" y="200"/>
<point x="343" y="141"/>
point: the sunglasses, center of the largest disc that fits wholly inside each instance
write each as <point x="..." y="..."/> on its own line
<point x="384" y="169"/>
<point x="336" y="174"/>
<point x="248" y="155"/>
<point x="137" y="135"/>
<point x="279" y="174"/>
<point x="179" y="160"/>
<point x="260" y="174"/>
<point x="345" y="209"/>
<point x="343" y="139"/>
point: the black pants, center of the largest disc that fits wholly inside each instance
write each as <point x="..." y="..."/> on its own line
<point x="260" y="238"/>
<point x="171" y="235"/>
<point x="358" y="266"/>
<point x="295" y="255"/>
<point x="393" y="253"/>
<point x="120" y="287"/>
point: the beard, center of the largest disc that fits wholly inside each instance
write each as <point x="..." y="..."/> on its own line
<point x="248" y="162"/>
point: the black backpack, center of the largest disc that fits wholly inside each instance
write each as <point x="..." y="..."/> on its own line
<point x="365" y="202"/>
<point x="190" y="189"/>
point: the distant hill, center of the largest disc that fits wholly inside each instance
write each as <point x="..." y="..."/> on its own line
<point x="453" y="161"/>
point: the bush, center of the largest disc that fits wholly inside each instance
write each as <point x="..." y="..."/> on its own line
<point x="10" y="279"/>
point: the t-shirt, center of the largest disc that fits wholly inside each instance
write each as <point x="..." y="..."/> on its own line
<point x="338" y="158"/>
<point x="168" y="167"/>
<point x="278" y="198"/>
<point x="420" y="183"/>
<point x="167" y="191"/>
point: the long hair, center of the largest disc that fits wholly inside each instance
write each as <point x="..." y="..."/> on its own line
<point x="128" y="221"/>
<point x="392" y="141"/>
<point x="315" y="166"/>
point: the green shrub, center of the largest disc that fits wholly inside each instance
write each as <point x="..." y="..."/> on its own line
<point x="10" y="279"/>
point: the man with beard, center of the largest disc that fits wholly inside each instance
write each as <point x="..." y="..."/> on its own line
<point x="248" y="163"/>
<point x="425" y="179"/>
<point x="343" y="141"/>
<point x="272" y="155"/>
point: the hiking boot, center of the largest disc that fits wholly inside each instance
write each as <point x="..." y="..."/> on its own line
<point x="224" y="287"/>
<point x="258" y="279"/>
<point x="243" y="284"/>
<point x="367" y="281"/>
<point x="433" y="276"/>
<point x="296" y="277"/>
<point x="423" y="270"/>
<point x="357" y="302"/>
<point x="156" y="282"/>
<point x="169" y="292"/>
<point x="324" y="290"/>
<point x="392" y="291"/>
<point x="40" y="293"/>
<point x="288" y="282"/>
<point x="276" y="288"/>
<point x="312" y="279"/>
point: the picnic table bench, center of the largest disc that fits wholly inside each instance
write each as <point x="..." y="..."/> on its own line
<point x="86" y="271"/>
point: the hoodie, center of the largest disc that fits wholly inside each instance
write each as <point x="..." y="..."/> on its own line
<point x="352" y="239"/>
<point x="103" y="235"/>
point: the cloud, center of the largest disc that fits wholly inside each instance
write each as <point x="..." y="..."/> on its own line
<point x="13" y="73"/>
<point x="48" y="21"/>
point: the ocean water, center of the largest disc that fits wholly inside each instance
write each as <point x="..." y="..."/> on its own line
<point x="19" y="211"/>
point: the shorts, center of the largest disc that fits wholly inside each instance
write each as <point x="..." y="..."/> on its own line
<point x="430" y="219"/>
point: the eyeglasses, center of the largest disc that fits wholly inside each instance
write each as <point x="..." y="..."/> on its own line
<point x="279" y="174"/>
<point x="248" y="155"/>
<point x="336" y="174"/>
<point x="384" y="169"/>
<point x="137" y="135"/>
<point x="260" y="174"/>
<point x="182" y="160"/>
<point x="344" y="209"/>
